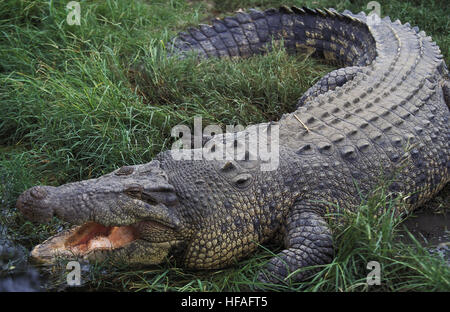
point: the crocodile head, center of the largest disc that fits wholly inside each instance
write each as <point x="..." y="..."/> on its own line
<point x="129" y="213"/>
<point x="205" y="213"/>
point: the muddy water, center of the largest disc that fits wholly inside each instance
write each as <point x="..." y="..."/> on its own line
<point x="15" y="273"/>
<point x="433" y="231"/>
<point x="430" y="224"/>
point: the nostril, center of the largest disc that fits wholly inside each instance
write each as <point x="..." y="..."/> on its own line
<point x="19" y="204"/>
<point x="38" y="192"/>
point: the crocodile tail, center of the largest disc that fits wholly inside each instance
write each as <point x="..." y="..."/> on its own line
<point x="342" y="38"/>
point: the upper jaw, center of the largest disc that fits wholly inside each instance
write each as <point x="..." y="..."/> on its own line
<point x="102" y="208"/>
<point x="108" y="200"/>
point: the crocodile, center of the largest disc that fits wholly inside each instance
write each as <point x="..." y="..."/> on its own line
<point x="382" y="115"/>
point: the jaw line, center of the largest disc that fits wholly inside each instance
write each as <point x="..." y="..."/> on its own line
<point x="81" y="241"/>
<point x="90" y="238"/>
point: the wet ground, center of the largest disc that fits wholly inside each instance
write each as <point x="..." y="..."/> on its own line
<point x="15" y="272"/>
<point x="430" y="224"/>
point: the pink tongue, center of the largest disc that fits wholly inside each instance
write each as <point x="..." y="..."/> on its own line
<point x="119" y="236"/>
<point x="92" y="236"/>
<point x="100" y="242"/>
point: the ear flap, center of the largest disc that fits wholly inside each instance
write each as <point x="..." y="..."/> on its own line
<point x="164" y="215"/>
<point x="162" y="192"/>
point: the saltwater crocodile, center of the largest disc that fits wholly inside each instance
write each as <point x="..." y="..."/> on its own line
<point x="384" y="113"/>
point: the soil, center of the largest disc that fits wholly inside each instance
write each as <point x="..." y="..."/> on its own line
<point x="430" y="224"/>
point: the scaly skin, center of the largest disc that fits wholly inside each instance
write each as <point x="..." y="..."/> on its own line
<point x="383" y="114"/>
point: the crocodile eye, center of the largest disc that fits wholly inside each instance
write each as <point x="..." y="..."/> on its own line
<point x="243" y="180"/>
<point x="125" y="170"/>
<point x="134" y="191"/>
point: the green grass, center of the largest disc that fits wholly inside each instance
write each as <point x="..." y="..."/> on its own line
<point x="79" y="101"/>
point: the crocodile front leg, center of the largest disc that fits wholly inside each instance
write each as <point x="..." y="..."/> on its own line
<point x="308" y="242"/>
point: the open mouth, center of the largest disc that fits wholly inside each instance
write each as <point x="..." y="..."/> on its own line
<point x="83" y="240"/>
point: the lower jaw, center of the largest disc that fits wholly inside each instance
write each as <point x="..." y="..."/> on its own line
<point x="83" y="241"/>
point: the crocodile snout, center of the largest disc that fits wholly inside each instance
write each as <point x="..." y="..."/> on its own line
<point x="38" y="192"/>
<point x="35" y="203"/>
